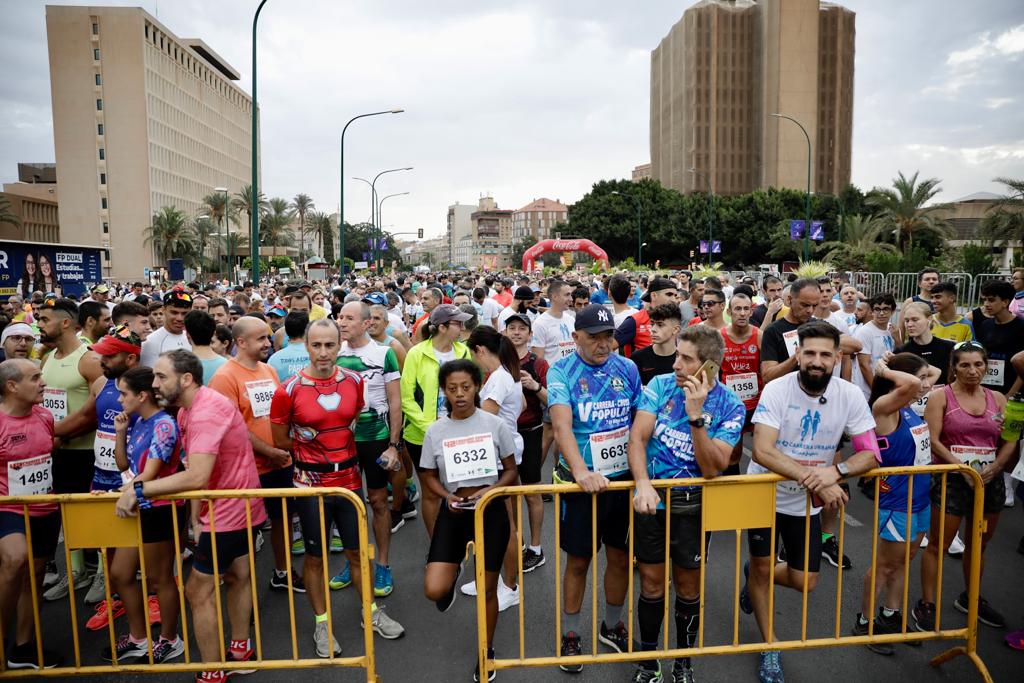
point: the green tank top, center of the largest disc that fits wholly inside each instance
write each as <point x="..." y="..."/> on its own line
<point x="67" y="391"/>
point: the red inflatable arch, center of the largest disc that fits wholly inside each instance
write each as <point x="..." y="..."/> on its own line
<point x="545" y="246"/>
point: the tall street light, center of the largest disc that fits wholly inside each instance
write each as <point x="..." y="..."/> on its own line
<point x="807" y="225"/>
<point x="341" y="189"/>
<point x="639" y="230"/>
<point x="373" y="188"/>
<point x="224" y="219"/>
<point x="380" y="224"/>
<point x="711" y="213"/>
<point x="254" y="228"/>
<point x="373" y="208"/>
<point x="204" y="217"/>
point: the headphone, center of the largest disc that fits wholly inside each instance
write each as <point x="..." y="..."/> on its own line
<point x="822" y="400"/>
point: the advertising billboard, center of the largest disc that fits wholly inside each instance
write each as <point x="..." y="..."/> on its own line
<point x="27" y="267"/>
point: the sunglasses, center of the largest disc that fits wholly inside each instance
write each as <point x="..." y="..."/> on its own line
<point x="969" y="344"/>
<point x="710" y="302"/>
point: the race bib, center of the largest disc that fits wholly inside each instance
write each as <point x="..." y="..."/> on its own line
<point x="919" y="405"/>
<point x="745" y="385"/>
<point x="566" y="348"/>
<point x="56" y="401"/>
<point x="30" y="477"/>
<point x="103" y="448"/>
<point x="994" y="373"/>
<point x="792" y="340"/>
<point x="608" y="451"/>
<point x="469" y="457"/>
<point x="923" y="443"/>
<point x="261" y="393"/>
<point x="789" y="486"/>
<point x="975" y="456"/>
<point x="1018" y="471"/>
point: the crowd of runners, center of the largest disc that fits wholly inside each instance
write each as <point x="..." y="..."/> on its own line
<point x="420" y="392"/>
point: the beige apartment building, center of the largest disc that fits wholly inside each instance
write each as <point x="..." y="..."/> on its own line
<point x="491" y="236"/>
<point x="33" y="200"/>
<point x="538" y="219"/>
<point x="459" y="226"/>
<point x="142" y="119"/>
<point x="724" y="68"/>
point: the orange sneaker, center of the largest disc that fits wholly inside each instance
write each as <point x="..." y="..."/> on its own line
<point x="154" y="610"/>
<point x="100" y="618"/>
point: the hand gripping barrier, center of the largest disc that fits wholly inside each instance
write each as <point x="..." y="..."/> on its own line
<point x="733" y="504"/>
<point x="89" y="522"/>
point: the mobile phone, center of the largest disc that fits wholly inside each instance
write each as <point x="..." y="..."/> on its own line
<point x="710" y="371"/>
<point x="465" y="505"/>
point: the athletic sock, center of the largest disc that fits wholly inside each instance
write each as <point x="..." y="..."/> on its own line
<point x="687" y="624"/>
<point x="536" y="549"/>
<point x="650" y="612"/>
<point x="570" y="623"/>
<point x="825" y="536"/>
<point x="861" y="620"/>
<point x="612" y="614"/>
<point x="320" y="618"/>
<point x="888" y="613"/>
<point x="280" y="573"/>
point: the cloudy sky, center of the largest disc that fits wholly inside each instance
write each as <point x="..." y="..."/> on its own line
<point x="525" y="99"/>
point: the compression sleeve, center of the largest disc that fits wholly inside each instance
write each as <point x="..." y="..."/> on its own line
<point x="866" y="441"/>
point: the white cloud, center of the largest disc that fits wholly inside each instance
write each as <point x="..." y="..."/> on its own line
<point x="967" y="66"/>
<point x="997" y="102"/>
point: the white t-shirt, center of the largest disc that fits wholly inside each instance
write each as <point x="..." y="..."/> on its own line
<point x="488" y="310"/>
<point x="809" y="430"/>
<point x="554" y="335"/>
<point x="444" y="356"/>
<point x="395" y="319"/>
<point x="508" y="394"/>
<point x="507" y="313"/>
<point x="837" y="321"/>
<point x="161" y="341"/>
<point x="622" y="315"/>
<point x="875" y="342"/>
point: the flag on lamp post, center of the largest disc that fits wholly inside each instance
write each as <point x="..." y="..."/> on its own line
<point x="818" y="231"/>
<point x="796" y="229"/>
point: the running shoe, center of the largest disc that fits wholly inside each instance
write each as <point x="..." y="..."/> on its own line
<point x="956" y="548"/>
<point x="1015" y="640"/>
<point x="507" y="597"/>
<point x="469" y="588"/>
<point x="532" y="560"/>
<point x="1009" y="501"/>
<point x="924" y="616"/>
<point x="385" y="626"/>
<point x="50" y="576"/>
<point x="409" y="510"/>
<point x="259" y="541"/>
<point x="166" y="650"/>
<point x="397" y="520"/>
<point x="446" y="602"/>
<point x="644" y="675"/>
<point x="547" y="498"/>
<point x="830" y="551"/>
<point x="97" y="591"/>
<point x="342" y="579"/>
<point x="383" y="583"/>
<point x="325" y="641"/>
<point x="154" y="610"/>
<point x="616" y="638"/>
<point x="280" y="582"/>
<point x="128" y="651"/>
<point x="860" y="628"/>
<point x="770" y="668"/>
<point x="986" y="613"/>
<point x="25" y="657"/>
<point x="412" y="494"/>
<point x="745" y="604"/>
<point x="98" y="621"/>
<point x="240" y="656"/>
<point x="298" y="547"/>
<point x="571" y="648"/>
<point x="60" y="589"/>
<point x="491" y="675"/>
<point x="211" y="677"/>
<point x="336" y="545"/>
<point x="682" y="673"/>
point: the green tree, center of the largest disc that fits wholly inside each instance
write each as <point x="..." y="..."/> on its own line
<point x="232" y="244"/>
<point x="282" y="262"/>
<point x="205" y="231"/>
<point x="1004" y="222"/>
<point x="243" y="203"/>
<point x="8" y="216"/>
<point x="904" y="209"/>
<point x="320" y="223"/>
<point x="518" y="249"/>
<point x="170" y="235"/>
<point x="275" y="226"/>
<point x="302" y="204"/>
<point x="862" y="235"/>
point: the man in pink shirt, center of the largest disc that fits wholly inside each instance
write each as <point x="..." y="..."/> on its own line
<point x="219" y="457"/>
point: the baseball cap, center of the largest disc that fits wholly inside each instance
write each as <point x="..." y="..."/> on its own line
<point x="178" y="298"/>
<point x="524" y="293"/>
<point x="446" y="313"/>
<point x="376" y="298"/>
<point x="278" y="310"/>
<point x="656" y="285"/>
<point x="236" y="310"/>
<point x="101" y="288"/>
<point x="120" y="339"/>
<point x="593" y="319"/>
<point x="515" y="317"/>
<point x="17" y="329"/>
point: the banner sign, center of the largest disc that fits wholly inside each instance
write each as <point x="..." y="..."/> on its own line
<point x="27" y="267"/>
<point x="796" y="229"/>
<point x="716" y="246"/>
<point x="818" y="231"/>
<point x="544" y="246"/>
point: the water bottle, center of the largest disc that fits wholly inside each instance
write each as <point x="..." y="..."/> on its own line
<point x="382" y="461"/>
<point x="1013" y="418"/>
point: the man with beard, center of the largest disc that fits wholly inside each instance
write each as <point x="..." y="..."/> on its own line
<point x="926" y="279"/>
<point x="94" y="319"/>
<point x="797" y="424"/>
<point x="171" y="334"/>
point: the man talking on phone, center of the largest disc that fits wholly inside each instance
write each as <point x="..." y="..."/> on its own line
<point x="797" y="427"/>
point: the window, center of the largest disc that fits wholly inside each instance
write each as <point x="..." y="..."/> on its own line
<point x="98" y="80"/>
<point x="99" y="105"/>
<point x="103" y="178"/>
<point x="103" y="154"/>
<point x="106" y="228"/>
<point x="99" y="129"/>
<point x="106" y="255"/>
<point x="103" y="202"/>
<point x="96" y="54"/>
<point x="95" y="29"/>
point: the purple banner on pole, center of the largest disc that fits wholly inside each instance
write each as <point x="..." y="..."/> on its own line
<point x="796" y="229"/>
<point x="817" y="231"/>
<point x="703" y="246"/>
<point x="716" y="247"/>
<point x="383" y="245"/>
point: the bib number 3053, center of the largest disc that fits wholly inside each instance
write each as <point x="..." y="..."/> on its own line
<point x="608" y="451"/>
<point x="469" y="457"/>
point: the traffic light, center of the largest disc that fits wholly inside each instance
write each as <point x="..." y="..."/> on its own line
<point x="419" y="233"/>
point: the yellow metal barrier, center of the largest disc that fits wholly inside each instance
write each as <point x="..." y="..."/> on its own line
<point x="737" y="503"/>
<point x="89" y="522"/>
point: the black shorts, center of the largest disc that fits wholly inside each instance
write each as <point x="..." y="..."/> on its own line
<point x="368" y="451"/>
<point x="45" y="531"/>
<point x="453" y="530"/>
<point x="230" y="546"/>
<point x="533" y="456"/>
<point x="158" y="525"/>
<point x="684" y="538"/>
<point x="72" y="470"/>
<point x="415" y="451"/>
<point x="960" y="496"/>
<point x="576" y="519"/>
<point x="280" y="478"/>
<point x="791" y="529"/>
<point x="748" y="423"/>
<point x="338" y="512"/>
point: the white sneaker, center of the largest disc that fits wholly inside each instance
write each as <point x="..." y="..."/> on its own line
<point x="50" y="578"/>
<point x="61" y="589"/>
<point x="385" y="626"/>
<point x="924" y="541"/>
<point x="325" y="641"/>
<point x="96" y="590"/>
<point x="469" y="588"/>
<point x="1009" y="482"/>
<point x="957" y="546"/>
<point x="507" y="597"/>
<point x="259" y="541"/>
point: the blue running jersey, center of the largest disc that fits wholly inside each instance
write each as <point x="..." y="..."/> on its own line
<point x="157" y="438"/>
<point x="105" y="475"/>
<point x="602" y="399"/>
<point x="909" y="444"/>
<point x="670" y="449"/>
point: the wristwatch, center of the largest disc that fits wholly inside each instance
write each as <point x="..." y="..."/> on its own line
<point x="698" y="423"/>
<point x="138" y="492"/>
<point x="397" y="445"/>
<point x="843" y="470"/>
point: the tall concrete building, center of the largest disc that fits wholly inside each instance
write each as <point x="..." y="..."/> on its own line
<point x="492" y="235"/>
<point x="33" y="201"/>
<point x="728" y="64"/>
<point x="538" y="219"/>
<point x="459" y="226"/>
<point x="142" y="119"/>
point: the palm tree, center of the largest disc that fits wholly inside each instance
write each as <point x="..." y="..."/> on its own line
<point x="903" y="209"/>
<point x="206" y="232"/>
<point x="1004" y="221"/>
<point x="275" y="227"/>
<point x="321" y="224"/>
<point x="861" y="234"/>
<point x="243" y="202"/>
<point x="232" y="244"/>
<point x="302" y="204"/>
<point x="8" y="216"/>
<point x="170" y="234"/>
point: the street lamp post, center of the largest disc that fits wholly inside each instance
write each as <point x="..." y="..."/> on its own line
<point x="202" y="255"/>
<point x="642" y="248"/>
<point x="373" y="209"/>
<point x="711" y="213"/>
<point x="373" y="188"/>
<point x="224" y="218"/>
<point x="807" y="225"/>
<point x="639" y="229"/>
<point x="341" y="188"/>
<point x="254" y="228"/>
<point x="380" y="225"/>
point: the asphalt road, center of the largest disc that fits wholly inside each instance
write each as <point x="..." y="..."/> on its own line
<point x="441" y="647"/>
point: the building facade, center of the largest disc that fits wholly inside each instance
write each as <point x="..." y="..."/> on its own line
<point x="538" y="219"/>
<point x="33" y="202"/>
<point x="641" y="172"/>
<point x="492" y="236"/>
<point x="459" y="226"/>
<point x="142" y="119"/>
<point x="724" y="68"/>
